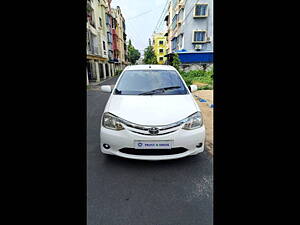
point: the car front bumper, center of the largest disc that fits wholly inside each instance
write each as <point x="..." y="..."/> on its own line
<point x="181" y="138"/>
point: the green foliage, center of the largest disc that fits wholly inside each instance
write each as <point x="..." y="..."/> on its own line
<point x="176" y="62"/>
<point x="206" y="87"/>
<point x="118" y="72"/>
<point x="133" y="54"/>
<point x="199" y="76"/>
<point x="149" y="55"/>
<point x="188" y="80"/>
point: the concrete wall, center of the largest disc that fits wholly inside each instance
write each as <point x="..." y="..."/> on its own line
<point x="192" y="23"/>
<point x="189" y="24"/>
<point x="198" y="66"/>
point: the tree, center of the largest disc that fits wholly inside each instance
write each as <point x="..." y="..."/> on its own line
<point x="133" y="54"/>
<point x="149" y="55"/>
<point x="176" y="62"/>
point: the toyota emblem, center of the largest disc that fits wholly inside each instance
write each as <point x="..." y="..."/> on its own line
<point x="153" y="130"/>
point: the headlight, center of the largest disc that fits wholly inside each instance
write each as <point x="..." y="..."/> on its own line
<point x="112" y="122"/>
<point x="194" y="121"/>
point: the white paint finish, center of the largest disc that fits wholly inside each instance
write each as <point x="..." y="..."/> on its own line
<point x="181" y="138"/>
<point x="106" y="88"/>
<point x="153" y="110"/>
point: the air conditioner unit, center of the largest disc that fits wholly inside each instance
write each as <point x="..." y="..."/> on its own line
<point x="198" y="47"/>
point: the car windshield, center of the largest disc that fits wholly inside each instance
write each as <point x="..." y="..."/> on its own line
<point x="150" y="82"/>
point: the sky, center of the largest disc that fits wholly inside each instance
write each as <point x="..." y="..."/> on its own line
<point x="139" y="28"/>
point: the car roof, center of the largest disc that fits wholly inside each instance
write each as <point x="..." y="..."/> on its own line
<point x="150" y="67"/>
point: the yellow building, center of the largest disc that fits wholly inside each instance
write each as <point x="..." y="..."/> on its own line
<point x="160" y="47"/>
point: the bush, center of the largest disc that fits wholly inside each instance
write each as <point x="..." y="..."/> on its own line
<point x="206" y="87"/>
<point x="176" y="62"/>
<point x="199" y="76"/>
<point x="188" y="80"/>
<point x="118" y="72"/>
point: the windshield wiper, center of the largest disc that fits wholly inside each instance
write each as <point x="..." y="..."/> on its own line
<point x="159" y="90"/>
<point x="117" y="92"/>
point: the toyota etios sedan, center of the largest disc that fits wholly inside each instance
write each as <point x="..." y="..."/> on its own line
<point x="151" y="115"/>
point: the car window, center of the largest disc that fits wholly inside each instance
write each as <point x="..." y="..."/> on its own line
<point x="135" y="82"/>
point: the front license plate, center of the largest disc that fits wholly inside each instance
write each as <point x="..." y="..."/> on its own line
<point x="153" y="144"/>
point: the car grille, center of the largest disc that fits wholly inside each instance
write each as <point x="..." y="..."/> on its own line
<point x="171" y="151"/>
<point x="144" y="130"/>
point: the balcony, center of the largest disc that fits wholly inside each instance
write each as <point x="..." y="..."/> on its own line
<point x="93" y="51"/>
<point x="92" y="24"/>
<point x="89" y="6"/>
<point x="179" y="6"/>
<point x="114" y="32"/>
<point x="91" y="21"/>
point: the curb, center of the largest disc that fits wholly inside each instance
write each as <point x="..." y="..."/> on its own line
<point x="105" y="80"/>
<point x="210" y="105"/>
<point x="95" y="85"/>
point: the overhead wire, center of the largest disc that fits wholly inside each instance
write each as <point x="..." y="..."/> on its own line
<point x="160" y="20"/>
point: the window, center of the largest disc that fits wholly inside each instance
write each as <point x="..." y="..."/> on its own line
<point x="180" y="15"/>
<point x="199" y="36"/>
<point x="161" y="42"/>
<point x="100" y="21"/>
<point x="89" y="44"/>
<point x="107" y="18"/>
<point x="200" y="10"/>
<point x="174" y="22"/>
<point x="134" y="82"/>
<point x="161" y="58"/>
<point x="108" y="37"/>
<point x="180" y="38"/>
<point x="161" y="50"/>
<point x="104" y="46"/>
<point x="174" y="43"/>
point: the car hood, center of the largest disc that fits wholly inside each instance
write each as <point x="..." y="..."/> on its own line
<point x="152" y="109"/>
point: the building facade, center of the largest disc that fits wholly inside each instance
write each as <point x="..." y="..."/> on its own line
<point x="160" y="47"/>
<point x="190" y="30"/>
<point x="96" y="41"/>
<point x="108" y="23"/>
<point x="119" y="39"/>
<point x="102" y="55"/>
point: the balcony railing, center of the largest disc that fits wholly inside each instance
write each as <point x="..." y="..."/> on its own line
<point x="92" y="23"/>
<point x="93" y="51"/>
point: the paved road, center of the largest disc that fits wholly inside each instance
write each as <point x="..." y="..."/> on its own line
<point x="129" y="192"/>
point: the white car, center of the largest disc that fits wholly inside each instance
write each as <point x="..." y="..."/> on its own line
<point x="151" y="115"/>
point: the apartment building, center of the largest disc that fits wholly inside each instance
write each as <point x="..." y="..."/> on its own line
<point x="160" y="47"/>
<point x="106" y="40"/>
<point x="119" y="39"/>
<point x="109" y="24"/>
<point x="190" y="31"/>
<point x="96" y="41"/>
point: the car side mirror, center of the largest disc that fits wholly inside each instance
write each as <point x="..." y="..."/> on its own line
<point x="193" y="88"/>
<point x="106" y="88"/>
